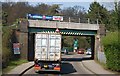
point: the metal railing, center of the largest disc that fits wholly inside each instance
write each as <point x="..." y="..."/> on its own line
<point x="80" y="20"/>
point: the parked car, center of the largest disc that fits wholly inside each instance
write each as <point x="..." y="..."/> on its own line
<point x="88" y="52"/>
<point x="80" y="51"/>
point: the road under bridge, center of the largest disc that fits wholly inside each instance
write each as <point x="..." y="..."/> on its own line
<point x="28" y="28"/>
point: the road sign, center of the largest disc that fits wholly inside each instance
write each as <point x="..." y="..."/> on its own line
<point x="16" y="48"/>
<point x="75" y="43"/>
<point x="44" y="17"/>
<point x="58" y="18"/>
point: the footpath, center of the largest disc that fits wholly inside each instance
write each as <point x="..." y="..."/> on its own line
<point x="94" y="67"/>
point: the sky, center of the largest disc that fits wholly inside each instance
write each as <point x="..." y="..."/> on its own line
<point x="62" y="0"/>
<point x="66" y="4"/>
<point x="109" y="4"/>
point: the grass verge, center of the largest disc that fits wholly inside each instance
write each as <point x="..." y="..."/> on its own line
<point x="12" y="64"/>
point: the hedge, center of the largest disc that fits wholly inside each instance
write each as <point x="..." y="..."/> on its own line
<point x="6" y="46"/>
<point x="112" y="52"/>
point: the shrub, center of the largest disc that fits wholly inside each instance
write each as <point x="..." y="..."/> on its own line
<point x="112" y="51"/>
<point x="5" y="56"/>
<point x="6" y="46"/>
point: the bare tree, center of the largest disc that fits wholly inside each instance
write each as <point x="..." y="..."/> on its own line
<point x="74" y="13"/>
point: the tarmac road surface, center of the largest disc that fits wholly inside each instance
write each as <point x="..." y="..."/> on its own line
<point x="71" y="65"/>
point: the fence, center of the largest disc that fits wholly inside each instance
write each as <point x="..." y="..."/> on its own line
<point x="80" y="20"/>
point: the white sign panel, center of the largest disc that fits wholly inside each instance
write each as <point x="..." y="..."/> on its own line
<point x="59" y="18"/>
<point x="16" y="48"/>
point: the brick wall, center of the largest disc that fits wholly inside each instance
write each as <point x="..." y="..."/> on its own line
<point x="24" y="45"/>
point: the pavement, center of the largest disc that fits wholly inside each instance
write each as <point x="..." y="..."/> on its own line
<point x="94" y="67"/>
<point x="21" y="68"/>
<point x="91" y="65"/>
